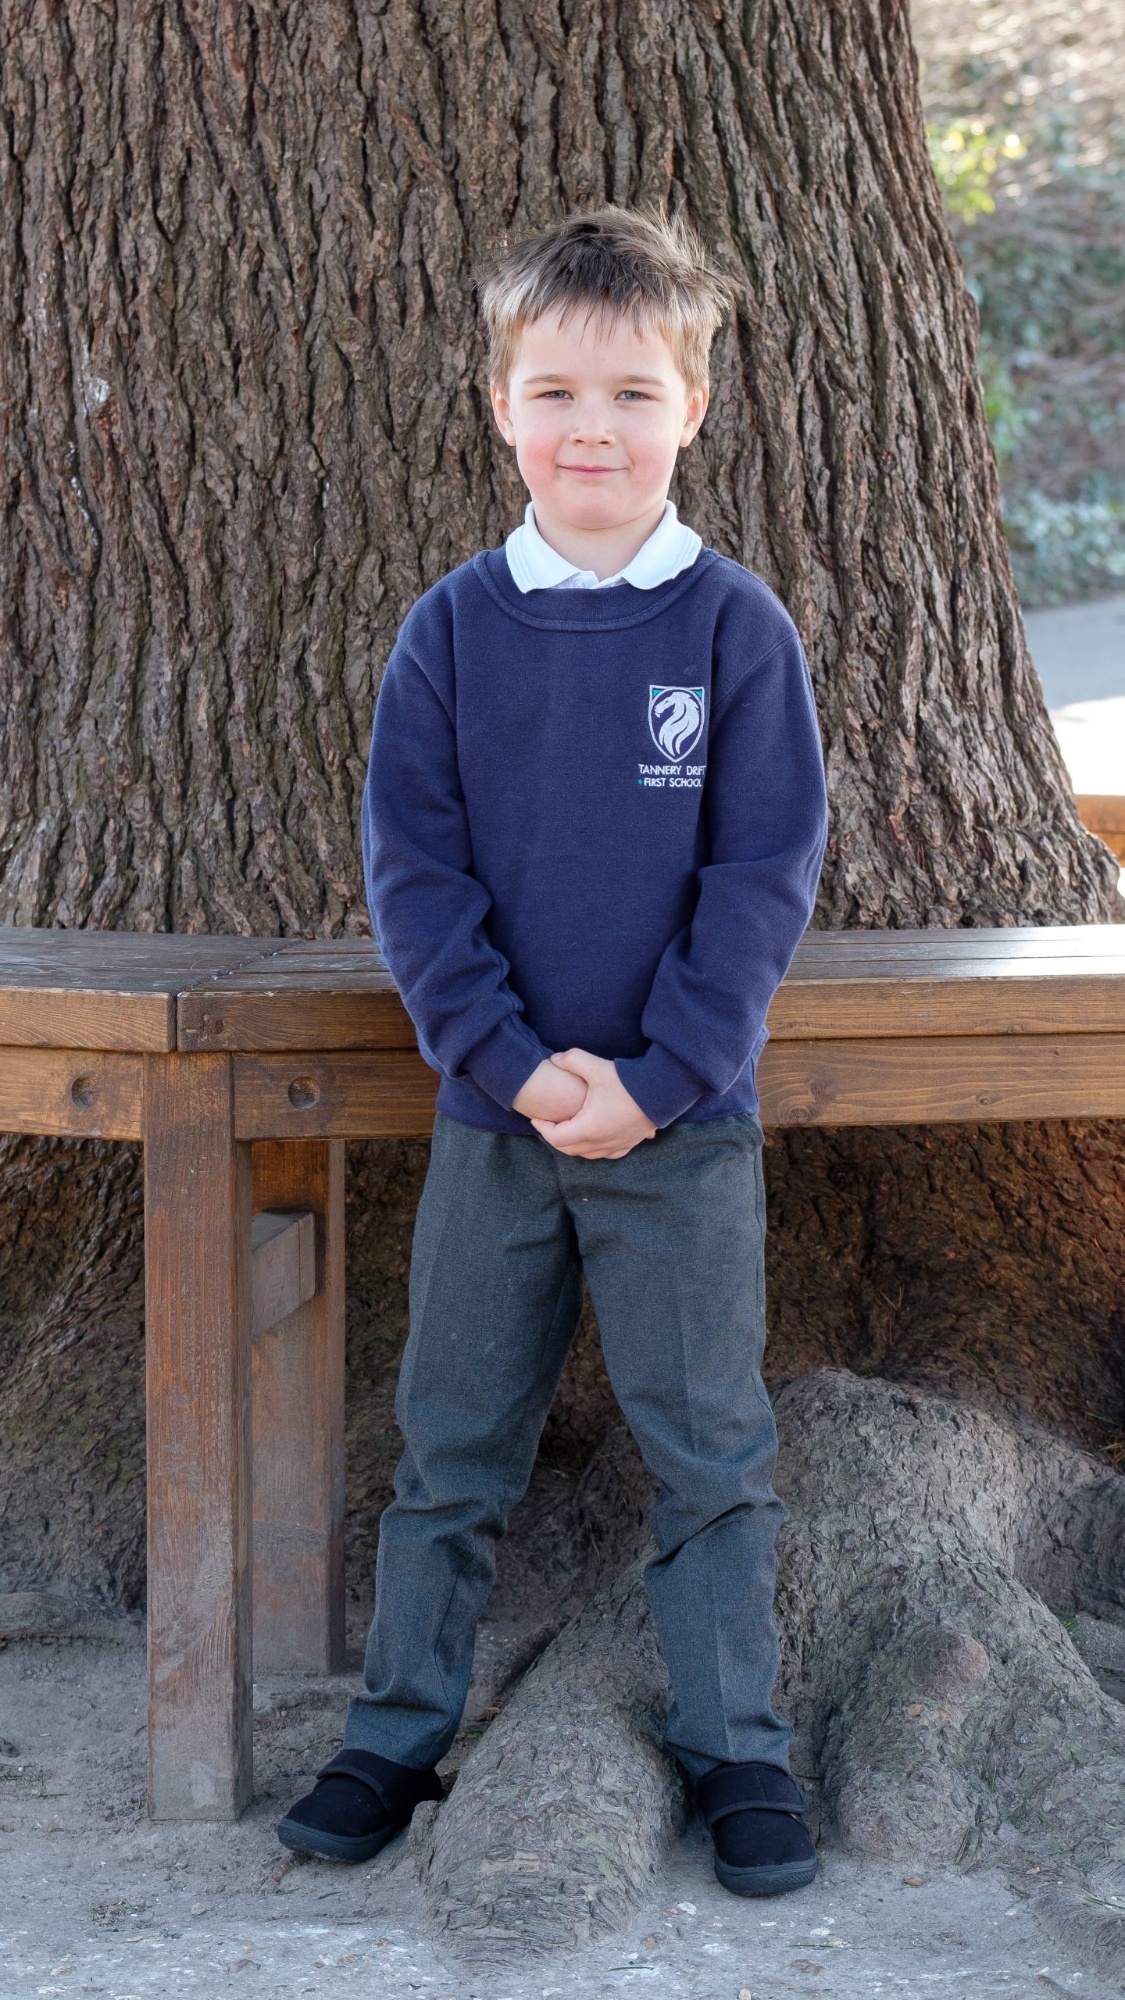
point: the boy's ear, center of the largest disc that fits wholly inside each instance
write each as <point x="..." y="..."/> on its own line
<point x="696" y="411"/>
<point x="502" y="411"/>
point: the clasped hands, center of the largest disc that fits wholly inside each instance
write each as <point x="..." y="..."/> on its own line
<point x="578" y="1103"/>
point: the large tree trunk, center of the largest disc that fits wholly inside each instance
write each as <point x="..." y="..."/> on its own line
<point x="244" y="423"/>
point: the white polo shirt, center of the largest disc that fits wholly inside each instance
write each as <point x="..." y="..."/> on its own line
<point x="535" y="565"/>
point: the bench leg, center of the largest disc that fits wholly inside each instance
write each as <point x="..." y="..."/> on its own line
<point x="197" y="1338"/>
<point x="299" y="1429"/>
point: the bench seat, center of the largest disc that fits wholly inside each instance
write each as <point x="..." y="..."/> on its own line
<point x="243" y="1064"/>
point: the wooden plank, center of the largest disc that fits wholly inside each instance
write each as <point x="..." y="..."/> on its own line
<point x="942" y="1080"/>
<point x="1065" y="1002"/>
<point x="63" y="1094"/>
<point x="1069" y="978"/>
<point x="279" y="995"/>
<point x="334" y="1096"/>
<point x="306" y="1013"/>
<point x="1022" y="1000"/>
<point x="955" y="971"/>
<point x="40" y="1016"/>
<point x="197" y="1338"/>
<point x="282" y="1265"/>
<point x="1104" y="815"/>
<point x="1028" y="940"/>
<point x="139" y="954"/>
<point x="1102" y="812"/>
<point x="323" y="994"/>
<point x="906" y="963"/>
<point x="105" y="989"/>
<point x="326" y="954"/>
<point x="850" y="1082"/>
<point x="299" y="1433"/>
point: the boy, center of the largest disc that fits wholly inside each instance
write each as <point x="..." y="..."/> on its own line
<point x="593" y="828"/>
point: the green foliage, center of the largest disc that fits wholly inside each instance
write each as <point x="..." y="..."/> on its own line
<point x="966" y="153"/>
<point x="1008" y="419"/>
<point x="1039" y="219"/>
<point x="1063" y="549"/>
<point x="1048" y="271"/>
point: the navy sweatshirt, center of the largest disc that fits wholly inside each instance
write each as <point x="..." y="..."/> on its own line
<point x="594" y="819"/>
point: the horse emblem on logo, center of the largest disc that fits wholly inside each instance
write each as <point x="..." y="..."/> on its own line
<point x="675" y="720"/>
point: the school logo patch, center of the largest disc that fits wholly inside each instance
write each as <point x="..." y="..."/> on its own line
<point x="675" y="720"/>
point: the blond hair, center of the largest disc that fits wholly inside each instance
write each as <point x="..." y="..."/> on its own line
<point x="631" y="262"/>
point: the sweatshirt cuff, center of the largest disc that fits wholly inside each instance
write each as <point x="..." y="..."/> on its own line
<point x="659" y="1082"/>
<point x="502" y="1063"/>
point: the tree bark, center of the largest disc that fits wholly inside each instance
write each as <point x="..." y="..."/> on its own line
<point x="943" y="1713"/>
<point x="244" y="423"/>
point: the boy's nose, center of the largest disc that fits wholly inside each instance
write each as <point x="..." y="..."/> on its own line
<point x="592" y="429"/>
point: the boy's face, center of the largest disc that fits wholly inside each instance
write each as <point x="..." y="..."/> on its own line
<point x="597" y="413"/>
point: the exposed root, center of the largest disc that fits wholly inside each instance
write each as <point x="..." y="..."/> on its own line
<point x="943" y="1711"/>
<point x="564" y="1811"/>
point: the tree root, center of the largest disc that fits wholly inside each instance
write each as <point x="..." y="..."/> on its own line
<point x="565" y="1809"/>
<point x="943" y="1713"/>
<point x="931" y="1556"/>
<point x="40" y="1614"/>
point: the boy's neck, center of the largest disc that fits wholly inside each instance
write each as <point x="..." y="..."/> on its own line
<point x="603" y="550"/>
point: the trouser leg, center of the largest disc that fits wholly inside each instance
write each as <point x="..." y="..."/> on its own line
<point x="672" y="1240"/>
<point x="494" y="1303"/>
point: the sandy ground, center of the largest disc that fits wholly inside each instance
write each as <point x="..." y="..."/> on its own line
<point x="94" y="1898"/>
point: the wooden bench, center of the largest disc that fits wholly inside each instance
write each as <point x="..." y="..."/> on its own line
<point x="1104" y="814"/>
<point x="243" y="1064"/>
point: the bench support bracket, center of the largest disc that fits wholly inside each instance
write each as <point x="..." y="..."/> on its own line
<point x="298" y="1375"/>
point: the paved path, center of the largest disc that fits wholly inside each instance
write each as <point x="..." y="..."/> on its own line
<point x="1079" y="650"/>
<point x="1079" y="654"/>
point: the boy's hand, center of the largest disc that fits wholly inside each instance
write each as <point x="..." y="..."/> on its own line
<point x="610" y="1122"/>
<point x="550" y="1093"/>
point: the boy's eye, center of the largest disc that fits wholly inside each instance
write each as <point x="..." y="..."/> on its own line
<point x="550" y="395"/>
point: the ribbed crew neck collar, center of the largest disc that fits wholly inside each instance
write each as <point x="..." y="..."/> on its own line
<point x="563" y="610"/>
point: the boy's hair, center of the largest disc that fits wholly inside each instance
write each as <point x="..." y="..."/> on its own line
<point x="615" y="262"/>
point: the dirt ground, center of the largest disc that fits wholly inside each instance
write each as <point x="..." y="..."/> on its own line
<point x="96" y="1899"/>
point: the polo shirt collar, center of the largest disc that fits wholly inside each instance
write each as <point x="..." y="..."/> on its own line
<point x="535" y="565"/>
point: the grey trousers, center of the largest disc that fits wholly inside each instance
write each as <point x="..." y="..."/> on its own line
<point x="671" y="1238"/>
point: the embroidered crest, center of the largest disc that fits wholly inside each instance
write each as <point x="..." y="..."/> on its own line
<point x="675" y="720"/>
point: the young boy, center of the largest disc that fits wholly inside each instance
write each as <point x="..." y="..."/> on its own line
<point x="593" y="828"/>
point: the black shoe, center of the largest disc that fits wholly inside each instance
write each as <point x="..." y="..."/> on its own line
<point x="753" y="1812"/>
<point x="359" y="1803"/>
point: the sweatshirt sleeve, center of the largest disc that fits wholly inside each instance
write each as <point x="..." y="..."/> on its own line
<point x="766" y="815"/>
<point x="427" y="907"/>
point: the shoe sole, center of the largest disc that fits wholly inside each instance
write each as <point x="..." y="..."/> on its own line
<point x="771" y="1881"/>
<point x="335" y="1846"/>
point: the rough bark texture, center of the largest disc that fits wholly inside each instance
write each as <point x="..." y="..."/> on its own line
<point x="943" y="1713"/>
<point x="559" y="1821"/>
<point x="243" y="423"/>
<point x="72" y="1371"/>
